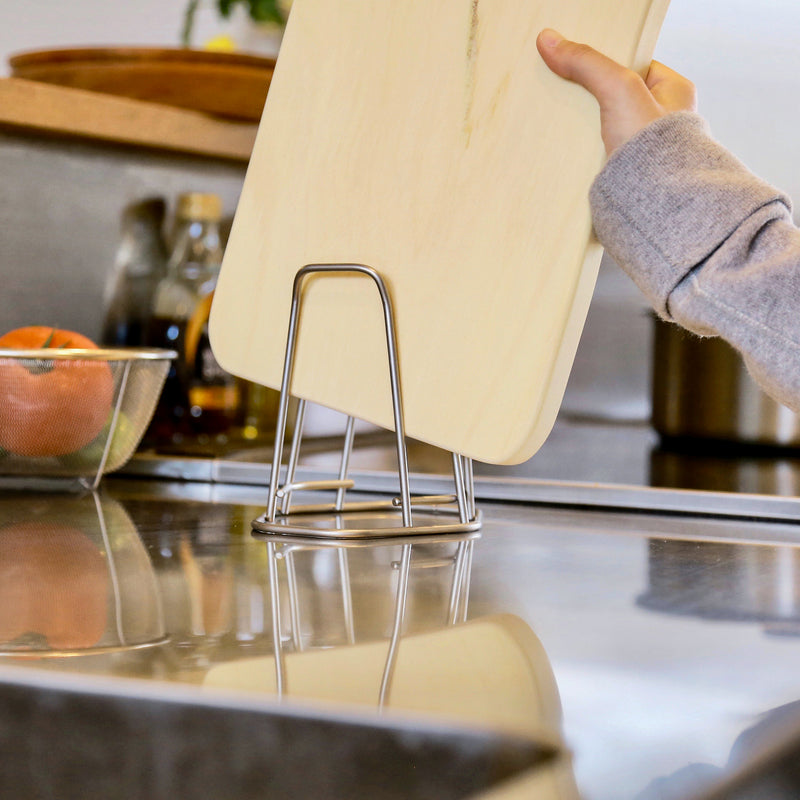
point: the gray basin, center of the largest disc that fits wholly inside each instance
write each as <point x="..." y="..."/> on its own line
<point x="73" y="739"/>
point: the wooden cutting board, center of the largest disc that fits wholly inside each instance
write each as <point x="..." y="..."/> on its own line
<point x="427" y="140"/>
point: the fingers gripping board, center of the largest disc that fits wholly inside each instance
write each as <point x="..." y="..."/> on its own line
<point x="426" y="139"/>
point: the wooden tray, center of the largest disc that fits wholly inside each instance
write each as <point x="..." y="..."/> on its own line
<point x="231" y="85"/>
<point x="427" y="140"/>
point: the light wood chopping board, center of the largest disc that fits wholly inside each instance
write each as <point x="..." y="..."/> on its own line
<point x="427" y="140"/>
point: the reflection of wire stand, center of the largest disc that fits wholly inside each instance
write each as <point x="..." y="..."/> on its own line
<point x="280" y="549"/>
<point x="432" y="514"/>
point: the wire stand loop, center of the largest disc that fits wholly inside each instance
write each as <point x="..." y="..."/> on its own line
<point x="367" y="519"/>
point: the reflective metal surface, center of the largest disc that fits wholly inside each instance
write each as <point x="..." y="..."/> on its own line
<point x="664" y="639"/>
<point x="75" y="578"/>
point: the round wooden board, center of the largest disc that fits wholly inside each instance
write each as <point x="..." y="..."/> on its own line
<point x="232" y="85"/>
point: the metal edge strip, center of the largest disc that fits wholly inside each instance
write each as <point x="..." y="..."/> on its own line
<point x="518" y="490"/>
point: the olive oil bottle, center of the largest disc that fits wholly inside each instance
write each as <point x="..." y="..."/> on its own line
<point x="200" y="401"/>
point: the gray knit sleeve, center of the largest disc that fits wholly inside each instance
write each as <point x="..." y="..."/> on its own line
<point x="711" y="246"/>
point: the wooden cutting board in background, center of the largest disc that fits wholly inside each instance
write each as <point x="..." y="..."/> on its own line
<point x="427" y="140"/>
<point x="230" y="85"/>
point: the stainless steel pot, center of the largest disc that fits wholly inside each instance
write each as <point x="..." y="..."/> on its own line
<point x="701" y="389"/>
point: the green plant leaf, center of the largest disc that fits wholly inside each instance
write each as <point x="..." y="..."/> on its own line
<point x="225" y="7"/>
<point x="188" y="23"/>
<point x="266" y="11"/>
<point x="260" y="10"/>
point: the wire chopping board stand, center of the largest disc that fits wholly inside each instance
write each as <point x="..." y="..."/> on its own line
<point x="402" y="515"/>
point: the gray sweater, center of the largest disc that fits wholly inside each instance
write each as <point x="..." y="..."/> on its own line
<point x="712" y="247"/>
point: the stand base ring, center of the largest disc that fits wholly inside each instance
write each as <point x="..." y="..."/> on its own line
<point x="367" y="526"/>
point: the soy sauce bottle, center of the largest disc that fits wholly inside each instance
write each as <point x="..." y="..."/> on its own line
<point x="139" y="266"/>
<point x="200" y="400"/>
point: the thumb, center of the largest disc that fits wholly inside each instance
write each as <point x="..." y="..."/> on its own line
<point x="581" y="64"/>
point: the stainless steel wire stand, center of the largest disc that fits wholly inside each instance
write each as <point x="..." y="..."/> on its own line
<point x="431" y="514"/>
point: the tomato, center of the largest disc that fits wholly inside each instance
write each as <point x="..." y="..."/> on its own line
<point x="55" y="408"/>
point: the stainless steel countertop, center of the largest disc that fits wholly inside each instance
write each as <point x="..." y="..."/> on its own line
<point x="584" y="463"/>
<point x="662" y="637"/>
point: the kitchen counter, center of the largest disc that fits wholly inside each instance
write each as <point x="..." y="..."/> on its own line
<point x="591" y="463"/>
<point x="647" y="646"/>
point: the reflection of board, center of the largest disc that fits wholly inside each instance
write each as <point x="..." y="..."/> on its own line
<point x="428" y="140"/>
<point x="491" y="671"/>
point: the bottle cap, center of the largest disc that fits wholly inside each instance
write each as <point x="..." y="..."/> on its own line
<point x="198" y="205"/>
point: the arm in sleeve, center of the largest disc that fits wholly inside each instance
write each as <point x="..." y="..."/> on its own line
<point x="711" y="246"/>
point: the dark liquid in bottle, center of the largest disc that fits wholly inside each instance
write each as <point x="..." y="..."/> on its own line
<point x="168" y="422"/>
<point x="199" y="399"/>
<point x="124" y="333"/>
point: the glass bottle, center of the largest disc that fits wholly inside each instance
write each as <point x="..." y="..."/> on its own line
<point x="139" y="265"/>
<point x="199" y="400"/>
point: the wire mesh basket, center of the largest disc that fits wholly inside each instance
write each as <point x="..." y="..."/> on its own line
<point x="74" y="413"/>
